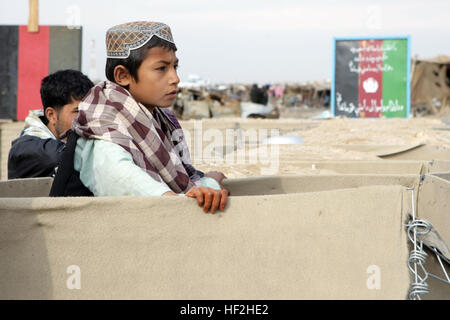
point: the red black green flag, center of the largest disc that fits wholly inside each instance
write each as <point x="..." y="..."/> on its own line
<point x="29" y="57"/>
<point x="371" y="78"/>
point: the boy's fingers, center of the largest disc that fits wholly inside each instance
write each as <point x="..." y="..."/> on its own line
<point x="208" y="195"/>
<point x="199" y="196"/>
<point x="215" y="201"/>
<point x="210" y="199"/>
<point x="196" y="193"/>
<point x="223" y="199"/>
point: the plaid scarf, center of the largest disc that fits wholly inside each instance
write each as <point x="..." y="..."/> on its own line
<point x="154" y="139"/>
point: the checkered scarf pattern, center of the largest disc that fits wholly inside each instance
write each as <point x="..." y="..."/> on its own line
<point x="154" y="139"/>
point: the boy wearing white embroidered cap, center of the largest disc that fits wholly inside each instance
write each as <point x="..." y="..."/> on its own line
<point x="128" y="143"/>
<point x="139" y="55"/>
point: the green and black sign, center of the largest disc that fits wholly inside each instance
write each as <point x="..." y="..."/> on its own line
<point x="371" y="78"/>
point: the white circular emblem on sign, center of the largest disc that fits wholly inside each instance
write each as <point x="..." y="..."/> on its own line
<point x="370" y="85"/>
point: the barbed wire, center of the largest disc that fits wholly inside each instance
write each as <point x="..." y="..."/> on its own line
<point x="418" y="256"/>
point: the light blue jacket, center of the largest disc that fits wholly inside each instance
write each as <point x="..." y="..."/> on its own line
<point x="107" y="169"/>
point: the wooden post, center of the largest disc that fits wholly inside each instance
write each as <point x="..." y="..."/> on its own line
<point x="33" y="20"/>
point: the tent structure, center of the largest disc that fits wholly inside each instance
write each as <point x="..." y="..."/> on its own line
<point x="336" y="236"/>
<point x="430" y="85"/>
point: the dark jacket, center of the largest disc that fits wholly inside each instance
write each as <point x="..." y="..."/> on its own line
<point x="67" y="182"/>
<point x="31" y="157"/>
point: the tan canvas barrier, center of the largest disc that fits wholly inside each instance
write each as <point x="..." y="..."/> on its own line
<point x="434" y="207"/>
<point x="8" y="132"/>
<point x="438" y="289"/>
<point x="313" y="183"/>
<point x="424" y="152"/>
<point x="439" y="166"/>
<point x="25" y="188"/>
<point x="377" y="166"/>
<point x="406" y="152"/>
<point x="362" y="167"/>
<point x="443" y="175"/>
<point x="319" y="245"/>
<point x="40" y="187"/>
<point x="379" y="150"/>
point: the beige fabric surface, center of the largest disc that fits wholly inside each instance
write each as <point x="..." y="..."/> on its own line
<point x="418" y="151"/>
<point x="40" y="187"/>
<point x="314" y="183"/>
<point x="434" y="207"/>
<point x="444" y="175"/>
<point x="380" y="150"/>
<point x="316" y="245"/>
<point x="438" y="289"/>
<point x="423" y="152"/>
<point x="361" y="166"/>
<point x="25" y="188"/>
<point x="439" y="166"/>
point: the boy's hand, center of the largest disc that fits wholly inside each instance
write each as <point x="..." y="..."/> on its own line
<point x="210" y="199"/>
<point x="216" y="175"/>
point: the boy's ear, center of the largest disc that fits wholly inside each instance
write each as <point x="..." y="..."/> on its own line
<point x="122" y="76"/>
<point x="51" y="114"/>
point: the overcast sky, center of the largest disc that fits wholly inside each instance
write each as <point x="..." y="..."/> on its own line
<point x="249" y="40"/>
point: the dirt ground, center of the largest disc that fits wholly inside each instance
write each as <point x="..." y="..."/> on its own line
<point x="328" y="139"/>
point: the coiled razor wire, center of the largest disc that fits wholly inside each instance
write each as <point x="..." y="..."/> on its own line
<point x="417" y="257"/>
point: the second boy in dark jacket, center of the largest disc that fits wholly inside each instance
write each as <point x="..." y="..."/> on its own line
<point x="37" y="151"/>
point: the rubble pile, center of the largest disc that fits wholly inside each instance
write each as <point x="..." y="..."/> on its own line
<point x="270" y="101"/>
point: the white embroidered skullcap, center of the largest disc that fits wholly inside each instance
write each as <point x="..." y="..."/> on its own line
<point x="121" y="39"/>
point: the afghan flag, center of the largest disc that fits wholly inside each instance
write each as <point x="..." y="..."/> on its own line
<point x="371" y="78"/>
<point x="27" y="59"/>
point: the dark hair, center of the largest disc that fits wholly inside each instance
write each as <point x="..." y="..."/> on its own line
<point x="62" y="87"/>
<point x="134" y="61"/>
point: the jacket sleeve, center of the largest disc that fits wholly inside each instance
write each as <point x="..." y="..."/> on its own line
<point x="107" y="169"/>
<point x="31" y="157"/>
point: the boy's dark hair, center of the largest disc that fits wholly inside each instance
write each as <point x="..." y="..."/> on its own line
<point x="62" y="87"/>
<point x="134" y="61"/>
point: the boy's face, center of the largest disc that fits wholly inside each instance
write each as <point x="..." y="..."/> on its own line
<point x="60" y="120"/>
<point x="158" y="80"/>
